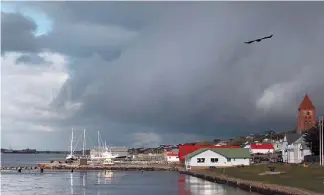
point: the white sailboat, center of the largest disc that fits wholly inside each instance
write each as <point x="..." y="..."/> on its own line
<point x="71" y="156"/>
<point x="102" y="152"/>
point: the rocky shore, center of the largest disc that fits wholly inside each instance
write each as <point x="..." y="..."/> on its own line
<point x="251" y="186"/>
<point x="71" y="167"/>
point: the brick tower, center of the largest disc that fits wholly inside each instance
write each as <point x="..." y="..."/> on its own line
<point x="306" y="115"/>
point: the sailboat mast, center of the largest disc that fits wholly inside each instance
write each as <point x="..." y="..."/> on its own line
<point x="84" y="142"/>
<point x="99" y="149"/>
<point x="72" y="143"/>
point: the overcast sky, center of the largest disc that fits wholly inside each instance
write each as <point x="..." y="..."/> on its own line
<point x="150" y="73"/>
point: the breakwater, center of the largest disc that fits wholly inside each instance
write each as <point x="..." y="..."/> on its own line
<point x="48" y="167"/>
<point x="252" y="186"/>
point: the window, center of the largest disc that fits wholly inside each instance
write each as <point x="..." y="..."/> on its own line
<point x="200" y="160"/>
<point x="214" y="160"/>
<point x="228" y="159"/>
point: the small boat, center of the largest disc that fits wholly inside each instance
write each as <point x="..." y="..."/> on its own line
<point x="108" y="161"/>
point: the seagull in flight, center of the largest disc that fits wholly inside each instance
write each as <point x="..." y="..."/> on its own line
<point x="258" y="40"/>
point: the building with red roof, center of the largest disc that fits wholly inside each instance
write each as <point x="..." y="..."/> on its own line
<point x="261" y="148"/>
<point x="187" y="149"/>
<point x="172" y="157"/>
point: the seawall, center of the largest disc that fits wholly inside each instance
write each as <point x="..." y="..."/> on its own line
<point x="64" y="167"/>
<point x="251" y="186"/>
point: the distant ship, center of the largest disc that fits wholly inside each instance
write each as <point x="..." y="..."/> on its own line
<point x="6" y="150"/>
<point x="24" y="151"/>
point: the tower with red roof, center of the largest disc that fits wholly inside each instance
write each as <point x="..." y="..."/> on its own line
<point x="306" y="115"/>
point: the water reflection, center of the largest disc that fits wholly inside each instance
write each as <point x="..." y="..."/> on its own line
<point x="194" y="186"/>
<point x="108" y="175"/>
<point x="98" y="177"/>
<point x="71" y="182"/>
<point x="198" y="186"/>
<point x="112" y="182"/>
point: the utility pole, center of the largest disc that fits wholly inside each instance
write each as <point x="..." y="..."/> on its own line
<point x="321" y="129"/>
<point x="320" y="140"/>
<point x="322" y="121"/>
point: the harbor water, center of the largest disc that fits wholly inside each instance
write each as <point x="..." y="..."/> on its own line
<point x="104" y="182"/>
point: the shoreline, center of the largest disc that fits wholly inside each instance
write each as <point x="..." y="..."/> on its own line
<point x="48" y="167"/>
<point x="247" y="185"/>
<point x="251" y="186"/>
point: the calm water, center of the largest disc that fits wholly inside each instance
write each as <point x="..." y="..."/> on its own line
<point x="17" y="160"/>
<point x="104" y="183"/>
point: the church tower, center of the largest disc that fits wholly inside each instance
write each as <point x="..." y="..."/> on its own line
<point x="306" y="115"/>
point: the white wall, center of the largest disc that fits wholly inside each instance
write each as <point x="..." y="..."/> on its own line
<point x="296" y="155"/>
<point x="222" y="161"/>
<point x="262" y="151"/>
<point x="172" y="158"/>
<point x="293" y="153"/>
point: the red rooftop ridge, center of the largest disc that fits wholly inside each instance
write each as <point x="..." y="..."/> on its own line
<point x="262" y="146"/>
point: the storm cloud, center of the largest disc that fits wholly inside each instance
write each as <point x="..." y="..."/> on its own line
<point x="171" y="72"/>
<point x="17" y="33"/>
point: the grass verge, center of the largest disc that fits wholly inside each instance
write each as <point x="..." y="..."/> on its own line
<point x="309" y="178"/>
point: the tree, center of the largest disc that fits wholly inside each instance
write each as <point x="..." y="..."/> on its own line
<point x="312" y="139"/>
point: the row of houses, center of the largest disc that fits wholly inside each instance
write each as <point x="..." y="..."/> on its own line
<point x="292" y="148"/>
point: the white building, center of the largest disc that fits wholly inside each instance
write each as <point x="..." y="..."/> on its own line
<point x="261" y="148"/>
<point x="217" y="157"/>
<point x="294" y="148"/>
<point x="172" y="157"/>
<point x="277" y="145"/>
<point x="222" y="143"/>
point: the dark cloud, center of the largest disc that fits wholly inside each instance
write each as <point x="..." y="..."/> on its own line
<point x="31" y="59"/>
<point x="17" y="33"/>
<point x="193" y="70"/>
<point x="183" y="68"/>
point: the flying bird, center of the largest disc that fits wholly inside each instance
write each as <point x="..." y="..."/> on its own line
<point x="258" y="40"/>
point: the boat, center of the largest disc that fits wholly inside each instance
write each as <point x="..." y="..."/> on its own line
<point x="6" y="151"/>
<point x="71" y="156"/>
<point x="108" y="161"/>
<point x="102" y="152"/>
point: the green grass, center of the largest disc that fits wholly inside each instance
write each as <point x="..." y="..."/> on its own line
<point x="310" y="178"/>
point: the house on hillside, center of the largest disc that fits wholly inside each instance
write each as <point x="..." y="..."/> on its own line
<point x="260" y="148"/>
<point x="222" y="143"/>
<point x="277" y="145"/>
<point x="217" y="157"/>
<point x="294" y="148"/>
<point x="172" y="157"/>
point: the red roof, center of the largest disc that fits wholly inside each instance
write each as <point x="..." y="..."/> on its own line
<point x="187" y="149"/>
<point x="306" y="104"/>
<point x="262" y="146"/>
<point x="172" y="154"/>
